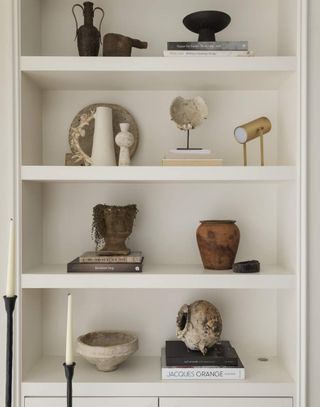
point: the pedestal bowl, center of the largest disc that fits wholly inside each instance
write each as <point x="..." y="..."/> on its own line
<point x="107" y="349"/>
<point x="207" y="23"/>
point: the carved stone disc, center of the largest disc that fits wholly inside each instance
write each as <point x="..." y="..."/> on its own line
<point x="119" y="115"/>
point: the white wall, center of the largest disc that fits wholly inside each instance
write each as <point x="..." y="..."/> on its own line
<point x="314" y="203"/>
<point x="6" y="173"/>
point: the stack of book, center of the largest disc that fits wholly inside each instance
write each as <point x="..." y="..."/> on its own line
<point x="220" y="363"/>
<point x="191" y="158"/>
<point x="209" y="49"/>
<point x="93" y="262"/>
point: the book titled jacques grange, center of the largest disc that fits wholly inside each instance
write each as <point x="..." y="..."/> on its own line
<point x="200" y="372"/>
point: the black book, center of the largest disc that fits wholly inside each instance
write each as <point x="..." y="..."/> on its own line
<point x="222" y="354"/>
<point x="76" y="267"/>
<point x="208" y="46"/>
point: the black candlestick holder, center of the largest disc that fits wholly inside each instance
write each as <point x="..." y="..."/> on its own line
<point x="69" y="371"/>
<point x="10" y="303"/>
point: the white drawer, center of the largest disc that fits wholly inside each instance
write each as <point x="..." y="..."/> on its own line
<point x="225" y="402"/>
<point x="92" y="402"/>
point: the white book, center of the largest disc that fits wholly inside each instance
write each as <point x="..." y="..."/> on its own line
<point x="177" y="151"/>
<point x="192" y="162"/>
<point x="208" y="53"/>
<point x="200" y="373"/>
<point x="189" y="156"/>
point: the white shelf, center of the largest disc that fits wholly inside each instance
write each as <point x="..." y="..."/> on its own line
<point x="158" y="73"/>
<point x="140" y="376"/>
<point x="157" y="174"/>
<point x="163" y="277"/>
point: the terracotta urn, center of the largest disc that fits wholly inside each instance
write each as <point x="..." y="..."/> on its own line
<point x="218" y="242"/>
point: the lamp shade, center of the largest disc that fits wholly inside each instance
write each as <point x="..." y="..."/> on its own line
<point x="251" y="130"/>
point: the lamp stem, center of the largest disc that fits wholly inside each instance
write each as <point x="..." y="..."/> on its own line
<point x="261" y="150"/>
<point x="9" y="304"/>
<point x="245" y="159"/>
<point x="188" y="139"/>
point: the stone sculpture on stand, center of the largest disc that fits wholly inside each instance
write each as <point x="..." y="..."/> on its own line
<point x="188" y="114"/>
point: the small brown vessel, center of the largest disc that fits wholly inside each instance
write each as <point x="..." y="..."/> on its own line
<point x="117" y="45"/>
<point x="218" y="242"/>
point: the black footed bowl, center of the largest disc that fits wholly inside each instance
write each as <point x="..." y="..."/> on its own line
<point x="207" y="23"/>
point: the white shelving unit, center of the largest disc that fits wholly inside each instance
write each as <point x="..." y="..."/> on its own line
<point x="142" y="379"/>
<point x="158" y="174"/>
<point x="159" y="276"/>
<point x="263" y="314"/>
<point x="265" y="73"/>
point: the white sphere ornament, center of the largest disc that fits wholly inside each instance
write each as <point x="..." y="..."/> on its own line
<point x="188" y="113"/>
<point x="124" y="140"/>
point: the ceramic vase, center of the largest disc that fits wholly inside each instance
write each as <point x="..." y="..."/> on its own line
<point x="119" y="222"/>
<point x="124" y="140"/>
<point x="88" y="36"/>
<point x="218" y="243"/>
<point x="103" y="152"/>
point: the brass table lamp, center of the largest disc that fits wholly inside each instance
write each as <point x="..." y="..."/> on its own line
<point x="249" y="131"/>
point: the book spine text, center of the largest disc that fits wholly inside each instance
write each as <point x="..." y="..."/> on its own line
<point x="196" y="373"/>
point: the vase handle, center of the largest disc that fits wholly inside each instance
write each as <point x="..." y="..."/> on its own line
<point x="100" y="9"/>
<point x="75" y="18"/>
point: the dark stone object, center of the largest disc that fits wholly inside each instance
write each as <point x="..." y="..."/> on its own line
<point x="117" y="45"/>
<point x="218" y="242"/>
<point x="88" y="36"/>
<point x="207" y="23"/>
<point x="252" y="266"/>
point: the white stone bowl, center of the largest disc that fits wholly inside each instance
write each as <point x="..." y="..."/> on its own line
<point x="107" y="349"/>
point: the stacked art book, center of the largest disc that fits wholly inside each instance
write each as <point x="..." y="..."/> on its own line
<point x="112" y="225"/>
<point x="220" y="363"/>
<point x="191" y="157"/>
<point x="208" y="48"/>
<point x="95" y="262"/>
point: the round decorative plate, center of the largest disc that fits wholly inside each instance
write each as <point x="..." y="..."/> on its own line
<point x="82" y="129"/>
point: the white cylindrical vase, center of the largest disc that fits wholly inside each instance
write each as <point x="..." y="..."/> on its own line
<point x="103" y="152"/>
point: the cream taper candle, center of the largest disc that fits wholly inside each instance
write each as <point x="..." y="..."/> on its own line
<point x="69" y="335"/>
<point x="10" y="292"/>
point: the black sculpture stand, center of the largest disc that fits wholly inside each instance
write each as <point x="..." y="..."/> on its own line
<point x="10" y="303"/>
<point x="188" y="144"/>
<point x="207" y="23"/>
<point x="69" y="371"/>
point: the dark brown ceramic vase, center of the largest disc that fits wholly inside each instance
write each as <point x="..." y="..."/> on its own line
<point x="88" y="36"/>
<point x="119" y="224"/>
<point x="111" y="227"/>
<point x="218" y="242"/>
